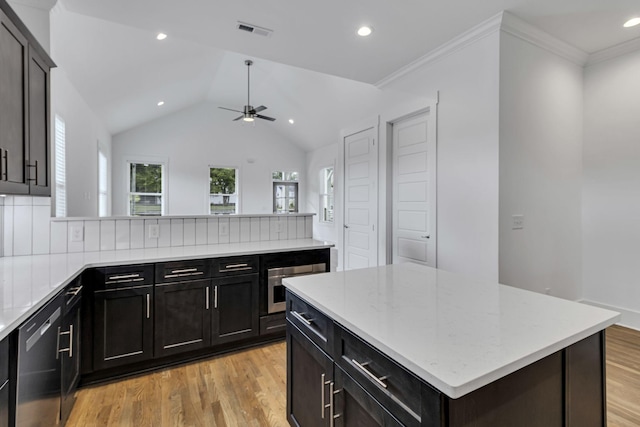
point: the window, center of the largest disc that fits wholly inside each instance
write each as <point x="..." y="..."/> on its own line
<point x="145" y="189"/>
<point x="285" y="192"/>
<point x="103" y="182"/>
<point x="223" y="193"/>
<point x="326" y="195"/>
<point x="61" y="172"/>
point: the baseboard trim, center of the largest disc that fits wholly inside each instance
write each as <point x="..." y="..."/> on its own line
<point x="629" y="319"/>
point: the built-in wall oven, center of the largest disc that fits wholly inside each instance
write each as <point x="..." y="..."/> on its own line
<point x="275" y="288"/>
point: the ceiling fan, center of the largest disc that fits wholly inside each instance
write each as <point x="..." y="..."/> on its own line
<point x="249" y="113"/>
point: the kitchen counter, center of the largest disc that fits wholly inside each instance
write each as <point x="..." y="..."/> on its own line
<point x="455" y="333"/>
<point x="28" y="282"/>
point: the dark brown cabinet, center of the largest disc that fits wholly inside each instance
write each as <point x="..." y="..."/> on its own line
<point x="123" y="322"/>
<point x="235" y="308"/>
<point x="182" y="316"/>
<point x="24" y="109"/>
<point x="70" y="355"/>
<point x="4" y="382"/>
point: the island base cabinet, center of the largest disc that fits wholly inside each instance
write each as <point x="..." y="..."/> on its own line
<point x="4" y="382"/>
<point x="308" y="381"/>
<point x="123" y="326"/>
<point x="69" y="349"/>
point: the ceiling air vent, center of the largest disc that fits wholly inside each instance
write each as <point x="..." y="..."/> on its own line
<point x="254" y="29"/>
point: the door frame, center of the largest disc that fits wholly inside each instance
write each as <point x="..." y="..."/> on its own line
<point x="385" y="174"/>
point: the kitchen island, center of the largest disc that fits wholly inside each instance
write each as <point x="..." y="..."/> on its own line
<point x="411" y="345"/>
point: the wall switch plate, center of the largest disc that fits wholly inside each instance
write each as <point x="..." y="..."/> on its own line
<point x="76" y="233"/>
<point x="224" y="229"/>
<point x="154" y="231"/>
<point x="279" y="227"/>
<point x="517" y="222"/>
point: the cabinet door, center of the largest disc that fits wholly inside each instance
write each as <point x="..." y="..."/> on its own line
<point x="4" y="382"/>
<point x="235" y="302"/>
<point x="123" y="325"/>
<point x="182" y="317"/>
<point x="39" y="141"/>
<point x="70" y="359"/>
<point x="13" y="108"/>
<point x="309" y="375"/>
<point x="354" y="407"/>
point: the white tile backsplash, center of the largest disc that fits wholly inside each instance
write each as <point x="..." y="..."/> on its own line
<point x="123" y="234"/>
<point x="27" y="228"/>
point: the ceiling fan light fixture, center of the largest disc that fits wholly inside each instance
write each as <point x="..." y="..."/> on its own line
<point x="161" y="36"/>
<point x="632" y="22"/>
<point x="248" y="118"/>
<point x="365" y="31"/>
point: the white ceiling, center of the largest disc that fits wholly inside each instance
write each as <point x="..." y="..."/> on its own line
<point x="109" y="51"/>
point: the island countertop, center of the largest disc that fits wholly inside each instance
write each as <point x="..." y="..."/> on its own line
<point x="456" y="333"/>
<point x="28" y="282"/>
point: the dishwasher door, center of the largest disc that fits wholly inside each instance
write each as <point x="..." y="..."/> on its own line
<point x="38" y="385"/>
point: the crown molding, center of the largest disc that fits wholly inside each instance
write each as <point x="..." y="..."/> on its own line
<point x="517" y="27"/>
<point x="614" y="51"/>
<point x="476" y="33"/>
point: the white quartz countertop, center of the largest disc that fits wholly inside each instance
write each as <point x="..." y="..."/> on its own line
<point x="456" y="333"/>
<point x="28" y="282"/>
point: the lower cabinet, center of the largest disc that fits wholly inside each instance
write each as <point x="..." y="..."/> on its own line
<point x="235" y="303"/>
<point x="70" y="354"/>
<point x="123" y="326"/>
<point x="182" y="317"/>
<point x="309" y="381"/>
<point x="4" y="382"/>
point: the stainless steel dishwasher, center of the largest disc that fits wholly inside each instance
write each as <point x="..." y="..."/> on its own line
<point x="38" y="393"/>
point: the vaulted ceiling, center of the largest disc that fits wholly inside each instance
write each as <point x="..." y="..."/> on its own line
<point x="313" y="68"/>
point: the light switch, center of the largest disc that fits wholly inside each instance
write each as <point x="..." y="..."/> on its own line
<point x="517" y="222"/>
<point x="154" y="231"/>
<point x="224" y="229"/>
<point x="77" y="233"/>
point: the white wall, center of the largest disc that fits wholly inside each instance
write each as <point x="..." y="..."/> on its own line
<point x="467" y="175"/>
<point x="611" y="185"/>
<point x="196" y="137"/>
<point x="540" y="169"/>
<point x="36" y="19"/>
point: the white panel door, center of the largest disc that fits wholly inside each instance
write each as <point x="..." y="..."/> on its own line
<point x="360" y="200"/>
<point x="414" y="190"/>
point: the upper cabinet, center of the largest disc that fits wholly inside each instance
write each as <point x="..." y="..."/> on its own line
<point x="25" y="157"/>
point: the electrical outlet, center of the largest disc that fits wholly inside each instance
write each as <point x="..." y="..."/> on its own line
<point x="154" y="231"/>
<point x="517" y="222"/>
<point x="279" y="227"/>
<point x="224" y="229"/>
<point x="77" y="233"/>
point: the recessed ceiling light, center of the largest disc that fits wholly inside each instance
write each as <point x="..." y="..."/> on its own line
<point x="161" y="36"/>
<point x="364" y="31"/>
<point x="632" y="22"/>
<point x="291" y="121"/>
<point x="160" y="103"/>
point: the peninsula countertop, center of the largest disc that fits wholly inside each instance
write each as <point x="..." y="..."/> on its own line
<point x="28" y="282"/>
<point x="456" y="333"/>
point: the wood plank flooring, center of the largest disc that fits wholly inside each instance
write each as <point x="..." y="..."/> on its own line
<point x="247" y="388"/>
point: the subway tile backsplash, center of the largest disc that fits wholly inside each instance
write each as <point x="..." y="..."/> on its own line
<point x="27" y="229"/>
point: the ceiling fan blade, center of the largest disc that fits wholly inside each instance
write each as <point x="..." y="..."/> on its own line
<point x="238" y="118"/>
<point x="260" y="116"/>
<point x="260" y="108"/>
<point x="229" y="109"/>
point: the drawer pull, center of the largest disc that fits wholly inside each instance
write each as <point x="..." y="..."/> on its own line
<point x="302" y="318"/>
<point x="332" y="415"/>
<point x="184" y="270"/>
<point x="74" y="291"/>
<point x="70" y="348"/>
<point x="363" y="368"/>
<point x="124" y="276"/>
<point x="323" y="384"/>
<point x="236" y="265"/>
<point x="206" y="298"/>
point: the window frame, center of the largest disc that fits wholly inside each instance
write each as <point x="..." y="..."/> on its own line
<point x="60" y="175"/>
<point x="237" y="193"/>
<point x="103" y="193"/>
<point x="164" y="199"/>
<point x="326" y="195"/>
<point x="284" y="181"/>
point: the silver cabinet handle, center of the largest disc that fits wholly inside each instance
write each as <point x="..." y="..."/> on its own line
<point x="301" y="318"/>
<point x="74" y="291"/>
<point x="363" y="368"/>
<point x="148" y="306"/>
<point x="215" y="297"/>
<point x="5" y="171"/>
<point x="323" y="384"/>
<point x="124" y="276"/>
<point x="184" y="270"/>
<point x="70" y="348"/>
<point x="332" y="406"/>
<point x="206" y="298"/>
<point x="236" y="265"/>
<point x="426" y="237"/>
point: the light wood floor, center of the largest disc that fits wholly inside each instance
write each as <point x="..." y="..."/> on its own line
<point x="247" y="388"/>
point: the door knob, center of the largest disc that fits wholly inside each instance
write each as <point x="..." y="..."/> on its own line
<point x="346" y="226"/>
<point x="426" y="237"/>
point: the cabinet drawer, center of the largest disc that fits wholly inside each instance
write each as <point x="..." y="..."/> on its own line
<point x="314" y="324"/>
<point x="73" y="294"/>
<point x="178" y="271"/>
<point x="393" y="386"/>
<point x="123" y="276"/>
<point x="235" y="265"/>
